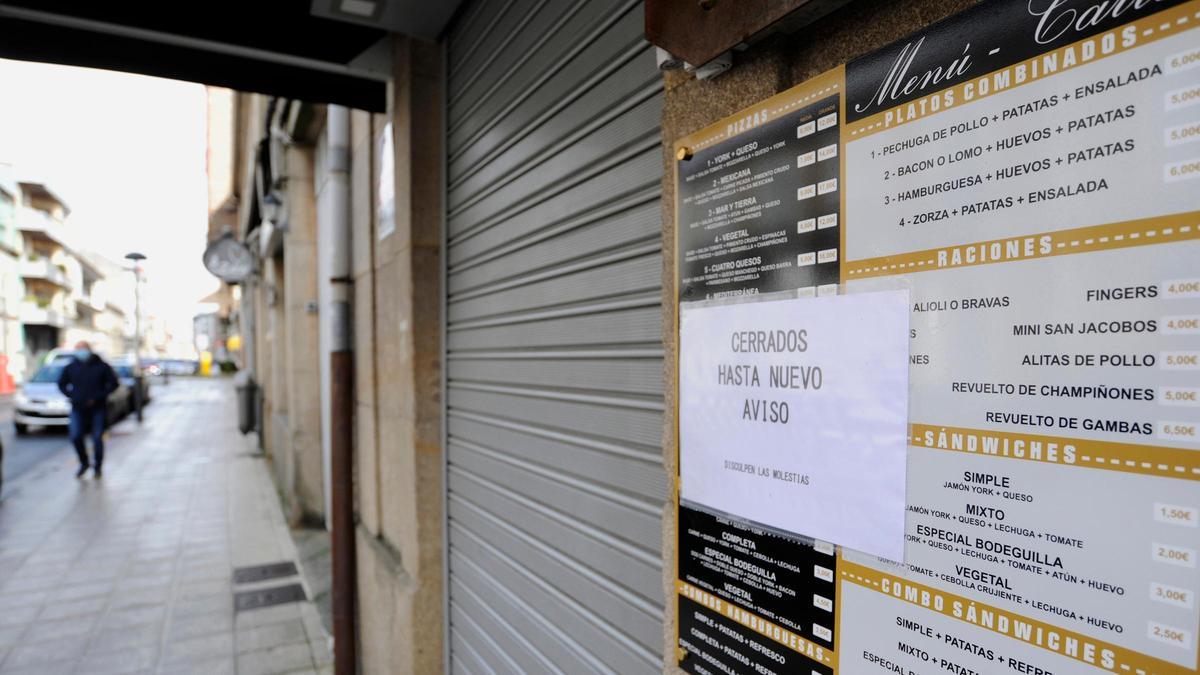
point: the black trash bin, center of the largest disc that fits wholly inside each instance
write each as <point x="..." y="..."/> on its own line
<point x="247" y="402"/>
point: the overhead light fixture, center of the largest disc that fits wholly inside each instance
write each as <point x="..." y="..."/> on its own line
<point x="363" y="9"/>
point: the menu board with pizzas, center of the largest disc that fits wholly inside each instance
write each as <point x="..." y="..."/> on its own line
<point x="1029" y="170"/>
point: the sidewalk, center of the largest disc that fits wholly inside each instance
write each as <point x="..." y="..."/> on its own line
<point x="135" y="573"/>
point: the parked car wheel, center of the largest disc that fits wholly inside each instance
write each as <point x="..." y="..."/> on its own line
<point x="21" y="429"/>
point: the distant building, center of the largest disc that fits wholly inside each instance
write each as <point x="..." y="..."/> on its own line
<point x="58" y="294"/>
<point x="210" y="332"/>
<point x="41" y="219"/>
<point x="12" y="288"/>
<point x="157" y="338"/>
<point x="214" y="329"/>
<point x="99" y="313"/>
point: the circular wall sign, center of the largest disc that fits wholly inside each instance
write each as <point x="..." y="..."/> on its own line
<point x="229" y="260"/>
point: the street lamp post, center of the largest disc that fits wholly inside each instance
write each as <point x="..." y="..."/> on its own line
<point x="137" y="259"/>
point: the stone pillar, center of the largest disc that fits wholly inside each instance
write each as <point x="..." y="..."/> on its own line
<point x="275" y="424"/>
<point x="400" y="463"/>
<point x="300" y="334"/>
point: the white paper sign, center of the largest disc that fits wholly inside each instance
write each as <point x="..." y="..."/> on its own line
<point x="385" y="192"/>
<point x="794" y="414"/>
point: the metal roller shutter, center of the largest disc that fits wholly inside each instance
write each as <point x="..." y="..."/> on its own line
<point x="554" y="359"/>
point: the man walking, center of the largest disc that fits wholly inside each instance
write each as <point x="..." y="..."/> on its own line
<point x="88" y="381"/>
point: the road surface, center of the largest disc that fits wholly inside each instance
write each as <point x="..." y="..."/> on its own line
<point x="24" y="453"/>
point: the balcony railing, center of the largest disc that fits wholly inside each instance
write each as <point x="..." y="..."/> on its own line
<point x="41" y="316"/>
<point x="42" y="268"/>
<point x="33" y="220"/>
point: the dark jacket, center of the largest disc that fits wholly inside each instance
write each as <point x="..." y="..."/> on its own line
<point x="87" y="381"/>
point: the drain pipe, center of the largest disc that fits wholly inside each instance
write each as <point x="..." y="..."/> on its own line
<point x="341" y="394"/>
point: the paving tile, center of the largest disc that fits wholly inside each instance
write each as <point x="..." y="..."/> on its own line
<point x="13" y="600"/>
<point x="206" y="605"/>
<point x="39" y="566"/>
<point x="211" y="539"/>
<point x="19" y="616"/>
<point x="128" y="660"/>
<point x="82" y="591"/>
<point x="200" y="624"/>
<point x="25" y="584"/>
<point x="161" y="569"/>
<point x="133" y="616"/>
<point x="10" y="635"/>
<point x="216" y="544"/>
<point x="193" y="562"/>
<point x="75" y="627"/>
<point x="110" y="569"/>
<point x="214" y="539"/>
<point x="160" y="595"/>
<point x="223" y="665"/>
<point x="38" y="653"/>
<point x="106" y="555"/>
<point x="204" y="589"/>
<point x="107" y="640"/>
<point x="322" y="651"/>
<point x="63" y="610"/>
<point x="146" y="581"/>
<point x="199" y="574"/>
<point x="64" y="667"/>
<point x="257" y="638"/>
<point x="266" y="615"/>
<point x="191" y="649"/>
<point x="281" y="659"/>
<point x="17" y="550"/>
<point x="312" y="624"/>
<point x="155" y="556"/>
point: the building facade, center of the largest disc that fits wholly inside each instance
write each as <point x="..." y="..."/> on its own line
<point x="509" y="301"/>
<point x="510" y="309"/>
<point x="12" y="287"/>
<point x="59" y="293"/>
<point x="498" y="251"/>
<point x="46" y="262"/>
<point x="95" y="315"/>
<point x="107" y="301"/>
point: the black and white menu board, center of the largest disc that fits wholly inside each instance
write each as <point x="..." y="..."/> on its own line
<point x="1029" y="170"/>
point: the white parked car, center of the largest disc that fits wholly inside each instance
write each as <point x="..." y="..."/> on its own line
<point x="39" y="403"/>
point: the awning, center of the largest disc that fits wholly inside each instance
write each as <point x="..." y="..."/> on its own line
<point x="323" y="51"/>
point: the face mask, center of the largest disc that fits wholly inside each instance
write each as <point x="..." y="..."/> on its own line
<point x="83" y="354"/>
